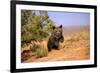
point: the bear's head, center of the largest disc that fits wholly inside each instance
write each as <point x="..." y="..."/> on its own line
<point x="57" y="32"/>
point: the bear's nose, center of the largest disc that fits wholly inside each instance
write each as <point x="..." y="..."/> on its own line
<point x="58" y="32"/>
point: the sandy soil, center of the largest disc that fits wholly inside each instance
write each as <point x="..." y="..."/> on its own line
<point x="76" y="50"/>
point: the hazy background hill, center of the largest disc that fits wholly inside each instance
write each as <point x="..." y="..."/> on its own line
<point x="71" y="30"/>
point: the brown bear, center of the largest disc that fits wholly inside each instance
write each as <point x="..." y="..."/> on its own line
<point x="55" y="38"/>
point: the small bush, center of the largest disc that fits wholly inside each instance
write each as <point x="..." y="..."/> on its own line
<point x="80" y="36"/>
<point x="39" y="48"/>
<point x="41" y="52"/>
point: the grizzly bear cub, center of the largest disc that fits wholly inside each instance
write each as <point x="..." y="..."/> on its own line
<point x="55" y="38"/>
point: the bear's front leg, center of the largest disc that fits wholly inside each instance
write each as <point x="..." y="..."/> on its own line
<point x="56" y="45"/>
<point x="61" y="39"/>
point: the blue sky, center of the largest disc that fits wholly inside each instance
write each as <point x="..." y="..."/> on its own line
<point x="70" y="18"/>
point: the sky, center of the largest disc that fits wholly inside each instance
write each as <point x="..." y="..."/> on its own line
<point x="70" y="18"/>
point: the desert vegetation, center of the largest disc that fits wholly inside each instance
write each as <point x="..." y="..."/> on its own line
<point x="36" y="28"/>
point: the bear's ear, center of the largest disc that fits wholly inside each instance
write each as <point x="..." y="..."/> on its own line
<point x="53" y="27"/>
<point x="60" y="26"/>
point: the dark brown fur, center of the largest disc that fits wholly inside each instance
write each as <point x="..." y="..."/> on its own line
<point x="55" y="38"/>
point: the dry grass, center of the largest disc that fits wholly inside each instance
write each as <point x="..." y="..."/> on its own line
<point x="35" y="48"/>
<point x="75" y="47"/>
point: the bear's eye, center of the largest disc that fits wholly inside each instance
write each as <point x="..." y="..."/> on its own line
<point x="58" y="31"/>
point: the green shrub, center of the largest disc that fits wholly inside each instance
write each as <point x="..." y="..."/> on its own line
<point x="35" y="25"/>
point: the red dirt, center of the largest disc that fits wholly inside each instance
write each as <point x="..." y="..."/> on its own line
<point x="77" y="51"/>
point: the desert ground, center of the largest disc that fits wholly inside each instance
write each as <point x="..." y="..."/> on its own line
<point x="76" y="46"/>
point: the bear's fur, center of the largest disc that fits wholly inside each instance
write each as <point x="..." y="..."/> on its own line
<point x="55" y="38"/>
